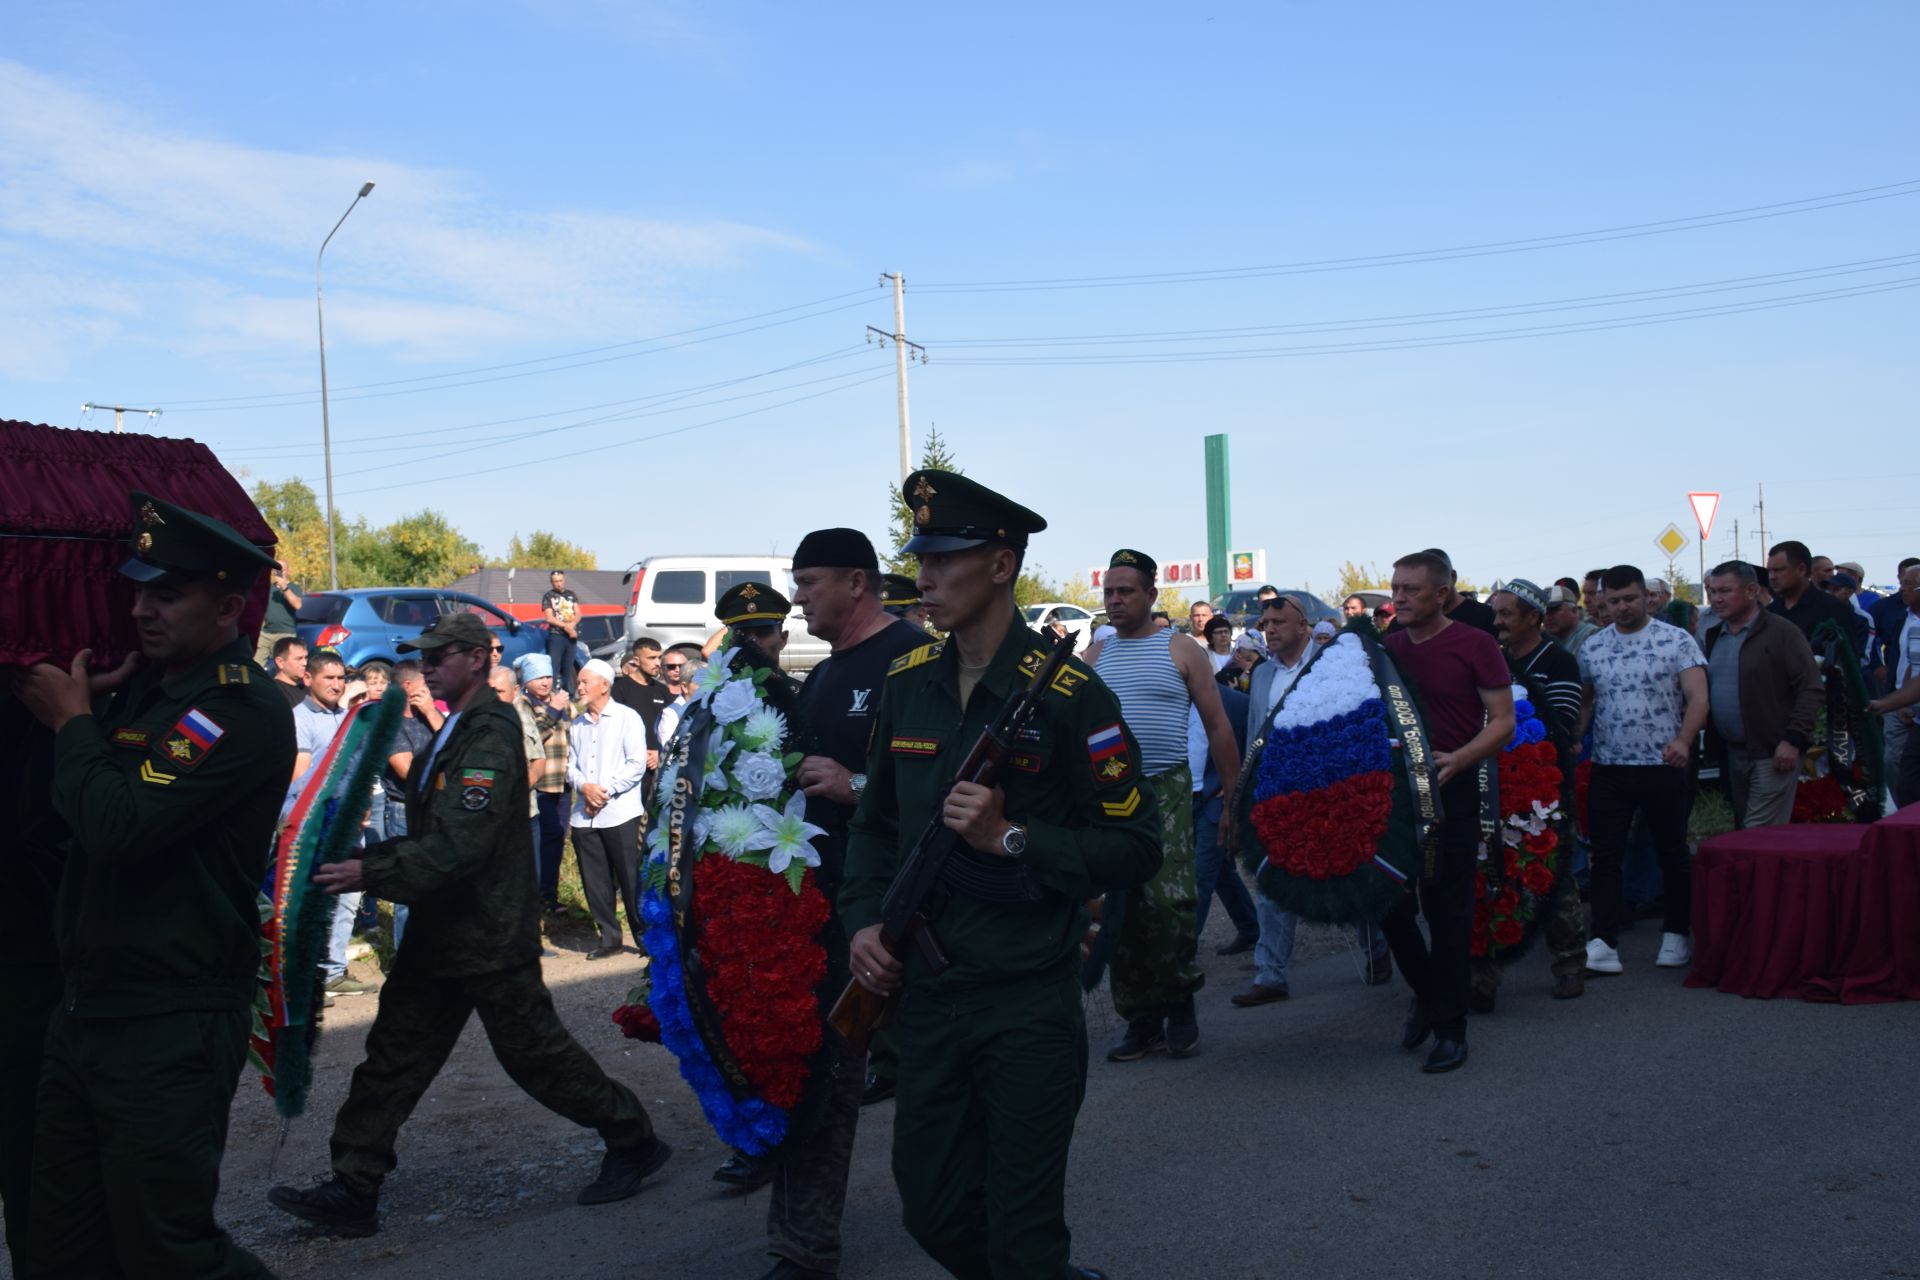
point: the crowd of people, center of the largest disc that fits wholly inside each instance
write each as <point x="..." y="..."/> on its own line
<point x="1120" y="808"/>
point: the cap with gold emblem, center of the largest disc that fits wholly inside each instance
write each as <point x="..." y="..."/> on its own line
<point x="1127" y="558"/>
<point x="172" y="545"/>
<point x="462" y="629"/>
<point x="952" y="513"/>
<point x="752" y="604"/>
<point x="898" y="591"/>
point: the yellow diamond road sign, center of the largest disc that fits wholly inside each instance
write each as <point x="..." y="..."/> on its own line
<point x="1671" y="541"/>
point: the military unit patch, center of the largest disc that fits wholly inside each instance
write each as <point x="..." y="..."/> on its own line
<point x="190" y="739"/>
<point x="1122" y="808"/>
<point x="130" y="737"/>
<point x="1114" y="768"/>
<point x="917" y="657"/>
<point x="476" y="788"/>
<point x="915" y="745"/>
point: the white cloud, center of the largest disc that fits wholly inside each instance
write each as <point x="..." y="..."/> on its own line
<point x="196" y="228"/>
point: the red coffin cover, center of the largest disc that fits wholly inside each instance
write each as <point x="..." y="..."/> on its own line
<point x="64" y="527"/>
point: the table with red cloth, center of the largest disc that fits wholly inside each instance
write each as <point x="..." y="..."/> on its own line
<point x="1815" y="911"/>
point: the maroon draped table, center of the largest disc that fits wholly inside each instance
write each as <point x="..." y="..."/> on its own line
<point x="1816" y="911"/>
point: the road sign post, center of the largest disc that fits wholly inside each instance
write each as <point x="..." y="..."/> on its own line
<point x="1704" y="506"/>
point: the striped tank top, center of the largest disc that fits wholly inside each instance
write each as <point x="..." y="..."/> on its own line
<point x="1153" y="696"/>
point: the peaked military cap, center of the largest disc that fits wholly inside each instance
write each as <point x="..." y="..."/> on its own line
<point x="752" y="604"/>
<point x="451" y="629"/>
<point x="1126" y="558"/>
<point x="952" y="513"/>
<point x="898" y="591"/>
<point x="172" y="545"/>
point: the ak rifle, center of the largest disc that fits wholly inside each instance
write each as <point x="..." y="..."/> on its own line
<point x="858" y="1013"/>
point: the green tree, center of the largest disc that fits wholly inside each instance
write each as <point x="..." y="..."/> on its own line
<point x="1355" y="577"/>
<point x="418" y="550"/>
<point x="543" y="550"/>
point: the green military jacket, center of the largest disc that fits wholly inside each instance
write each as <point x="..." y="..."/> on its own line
<point x="465" y="867"/>
<point x="171" y="794"/>
<point x="1074" y="783"/>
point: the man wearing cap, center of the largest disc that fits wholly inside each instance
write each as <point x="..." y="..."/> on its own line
<point x="1160" y="676"/>
<point x="552" y="714"/>
<point x="993" y="1050"/>
<point x="606" y="765"/>
<point x="1564" y="624"/>
<point x="754" y="613"/>
<point x="1551" y="677"/>
<point x="837" y="587"/>
<point x="901" y="596"/>
<point x="170" y="790"/>
<point x="472" y="945"/>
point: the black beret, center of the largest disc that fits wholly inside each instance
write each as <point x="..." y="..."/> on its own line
<point x="836" y="549"/>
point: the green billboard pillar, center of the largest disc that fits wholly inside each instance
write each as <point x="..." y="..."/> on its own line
<point x="1219" y="514"/>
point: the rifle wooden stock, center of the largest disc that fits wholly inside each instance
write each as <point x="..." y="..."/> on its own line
<point x="858" y="1013"/>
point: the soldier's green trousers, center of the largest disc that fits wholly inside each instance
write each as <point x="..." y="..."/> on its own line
<point x="419" y="1021"/>
<point x="1565" y="928"/>
<point x="126" y="1154"/>
<point x="1153" y="968"/>
<point x="28" y="995"/>
<point x="989" y="1088"/>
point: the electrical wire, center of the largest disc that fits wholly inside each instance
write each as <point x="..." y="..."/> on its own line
<point x="658" y="435"/>
<point x="1666" y="226"/>
<point x="1421" y="343"/>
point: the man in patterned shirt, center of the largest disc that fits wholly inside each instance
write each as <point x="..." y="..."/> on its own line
<point x="1644" y="685"/>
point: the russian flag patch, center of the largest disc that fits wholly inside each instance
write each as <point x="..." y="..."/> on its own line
<point x="1105" y="743"/>
<point x="192" y="736"/>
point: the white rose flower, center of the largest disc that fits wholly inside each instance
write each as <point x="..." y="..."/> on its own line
<point x="759" y="776"/>
<point x="735" y="701"/>
<point x="764" y="729"/>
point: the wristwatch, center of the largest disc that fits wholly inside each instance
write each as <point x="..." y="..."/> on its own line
<point x="1014" y="843"/>
<point x="858" y="782"/>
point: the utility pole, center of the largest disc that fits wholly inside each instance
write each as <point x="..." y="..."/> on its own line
<point x="1739" y="551"/>
<point x="120" y="413"/>
<point x="1762" y="507"/>
<point x="900" y="348"/>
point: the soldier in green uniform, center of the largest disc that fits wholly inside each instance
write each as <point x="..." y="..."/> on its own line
<point x="992" y="1052"/>
<point x="170" y="792"/>
<point x="755" y="614"/>
<point x="901" y="597"/>
<point x="472" y="945"/>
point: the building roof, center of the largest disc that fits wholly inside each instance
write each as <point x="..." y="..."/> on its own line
<point x="527" y="585"/>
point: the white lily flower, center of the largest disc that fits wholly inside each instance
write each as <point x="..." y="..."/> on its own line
<point x="790" y="832"/>
<point x="717" y="673"/>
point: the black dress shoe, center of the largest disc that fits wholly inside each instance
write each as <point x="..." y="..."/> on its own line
<point x="879" y="1089"/>
<point x="1447" y="1055"/>
<point x="1241" y="944"/>
<point x="1418" y="1027"/>
<point x="330" y="1205"/>
<point x="788" y="1269"/>
<point x="603" y="953"/>
<point x="622" y="1172"/>
<point x="1144" y="1036"/>
<point x="744" y="1171"/>
<point x="1183" y="1031"/>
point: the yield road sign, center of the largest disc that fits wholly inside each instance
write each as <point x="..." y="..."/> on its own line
<point x="1671" y="541"/>
<point x="1704" y="506"/>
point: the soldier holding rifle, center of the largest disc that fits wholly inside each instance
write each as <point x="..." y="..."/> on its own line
<point x="991" y="1037"/>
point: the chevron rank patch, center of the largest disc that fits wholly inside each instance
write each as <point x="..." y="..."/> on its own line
<point x="186" y="744"/>
<point x="152" y="775"/>
<point x="1125" y="807"/>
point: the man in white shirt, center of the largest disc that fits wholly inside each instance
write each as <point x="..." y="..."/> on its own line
<point x="606" y="763"/>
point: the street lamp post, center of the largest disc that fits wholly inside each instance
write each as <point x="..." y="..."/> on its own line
<point x="326" y="427"/>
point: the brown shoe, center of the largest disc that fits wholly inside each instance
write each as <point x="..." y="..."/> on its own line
<point x="1571" y="987"/>
<point x="1256" y="994"/>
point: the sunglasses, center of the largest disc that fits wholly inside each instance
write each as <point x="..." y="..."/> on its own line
<point x="434" y="657"/>
<point x="673" y="666"/>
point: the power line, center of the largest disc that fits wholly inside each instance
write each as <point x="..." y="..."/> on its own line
<point x="231" y="404"/>
<point x="659" y="435"/>
<point x="1454" y="316"/>
<point x="1420" y="343"/>
<point x="1666" y="226"/>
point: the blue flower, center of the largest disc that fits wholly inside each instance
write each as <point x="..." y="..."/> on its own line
<point x="1313" y="756"/>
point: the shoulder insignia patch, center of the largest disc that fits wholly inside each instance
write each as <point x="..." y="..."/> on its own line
<point x="150" y="774"/>
<point x="234" y="673"/>
<point x="130" y="737"/>
<point x="1122" y="808"/>
<point x="186" y="744"/>
<point x="917" y="657"/>
<point x="1114" y="768"/>
<point x="1067" y="682"/>
<point x="1031" y="664"/>
<point x="914" y="745"/>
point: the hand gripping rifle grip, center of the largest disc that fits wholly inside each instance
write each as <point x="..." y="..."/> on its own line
<point x="858" y="1013"/>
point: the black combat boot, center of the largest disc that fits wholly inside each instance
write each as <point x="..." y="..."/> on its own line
<point x="330" y="1205"/>
<point x="1144" y="1036"/>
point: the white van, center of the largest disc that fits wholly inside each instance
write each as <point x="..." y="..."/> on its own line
<point x="671" y="599"/>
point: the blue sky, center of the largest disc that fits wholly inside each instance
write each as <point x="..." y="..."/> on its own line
<point x="557" y="179"/>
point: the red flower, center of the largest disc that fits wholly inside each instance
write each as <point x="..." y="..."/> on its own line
<point x="1538" y="879"/>
<point x="1508" y="933"/>
<point x="1506" y="902"/>
<point x="1544" y="843"/>
<point x="1820" y="799"/>
<point x="1327" y="833"/>
<point x="638" y="1022"/>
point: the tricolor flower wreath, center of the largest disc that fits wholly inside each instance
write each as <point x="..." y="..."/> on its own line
<point x="1513" y="882"/>
<point x="1842" y="772"/>
<point x="733" y="917"/>
<point x="1327" y="817"/>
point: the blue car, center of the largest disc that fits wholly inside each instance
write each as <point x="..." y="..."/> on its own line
<point x="367" y="624"/>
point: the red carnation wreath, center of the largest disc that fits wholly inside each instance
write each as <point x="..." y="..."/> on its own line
<point x="1508" y="893"/>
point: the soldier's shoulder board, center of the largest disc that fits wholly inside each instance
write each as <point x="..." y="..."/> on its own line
<point x="233" y="673"/>
<point x="916" y="657"/>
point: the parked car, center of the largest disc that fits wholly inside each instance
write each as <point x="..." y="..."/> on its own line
<point x="1243" y="606"/>
<point x="365" y="624"/>
<point x="1070" y="616"/>
<point x="672" y="598"/>
<point x="604" y="635"/>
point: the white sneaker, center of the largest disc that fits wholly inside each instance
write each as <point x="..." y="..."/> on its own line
<point x="1602" y="958"/>
<point x="1676" y="951"/>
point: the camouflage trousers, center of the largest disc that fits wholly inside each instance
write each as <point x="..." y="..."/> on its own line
<point x="420" y="1019"/>
<point x="810" y="1186"/>
<point x="1153" y="968"/>
<point x="1565" y="928"/>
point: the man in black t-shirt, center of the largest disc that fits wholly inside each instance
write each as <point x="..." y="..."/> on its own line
<point x="640" y="687"/>
<point x="837" y="581"/>
<point x="561" y="608"/>
<point x="1461" y="608"/>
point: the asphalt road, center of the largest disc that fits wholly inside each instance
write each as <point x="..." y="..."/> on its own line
<point x="1644" y="1130"/>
